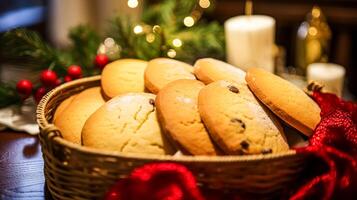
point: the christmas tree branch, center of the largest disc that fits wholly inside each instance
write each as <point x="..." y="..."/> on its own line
<point x="8" y="95"/>
<point x="85" y="42"/>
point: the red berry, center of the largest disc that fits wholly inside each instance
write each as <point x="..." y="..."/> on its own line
<point x="74" y="71"/>
<point x="48" y="78"/>
<point x="101" y="60"/>
<point x="40" y="92"/>
<point x="24" y="88"/>
<point x="58" y="82"/>
<point x="67" y="79"/>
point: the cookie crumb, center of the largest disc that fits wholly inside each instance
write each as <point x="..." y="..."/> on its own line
<point x="233" y="89"/>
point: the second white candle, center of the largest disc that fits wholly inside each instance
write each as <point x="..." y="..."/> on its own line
<point x="250" y="41"/>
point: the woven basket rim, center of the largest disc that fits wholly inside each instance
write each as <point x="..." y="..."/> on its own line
<point x="43" y="124"/>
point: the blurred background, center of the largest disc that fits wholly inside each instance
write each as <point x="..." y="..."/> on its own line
<point x="53" y="18"/>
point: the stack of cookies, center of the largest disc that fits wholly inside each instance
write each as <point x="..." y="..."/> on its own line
<point x="165" y="106"/>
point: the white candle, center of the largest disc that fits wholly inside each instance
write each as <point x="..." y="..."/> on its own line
<point x="329" y="74"/>
<point x="250" y="41"/>
<point x="65" y="14"/>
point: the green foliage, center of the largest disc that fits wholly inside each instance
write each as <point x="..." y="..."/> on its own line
<point x="8" y="95"/>
<point x="202" y="40"/>
<point x="85" y="42"/>
<point x="27" y="48"/>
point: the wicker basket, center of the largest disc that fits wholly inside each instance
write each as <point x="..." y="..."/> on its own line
<point x="76" y="172"/>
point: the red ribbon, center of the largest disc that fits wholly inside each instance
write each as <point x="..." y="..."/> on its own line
<point x="154" y="181"/>
<point x="334" y="143"/>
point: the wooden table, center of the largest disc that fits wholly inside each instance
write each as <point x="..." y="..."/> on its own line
<point x="21" y="167"/>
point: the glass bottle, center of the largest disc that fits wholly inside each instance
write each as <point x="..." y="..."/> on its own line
<point x="313" y="40"/>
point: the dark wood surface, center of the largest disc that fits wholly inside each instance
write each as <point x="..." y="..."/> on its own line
<point x="21" y="167"/>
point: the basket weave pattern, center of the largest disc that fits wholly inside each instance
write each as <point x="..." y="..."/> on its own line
<point x="76" y="172"/>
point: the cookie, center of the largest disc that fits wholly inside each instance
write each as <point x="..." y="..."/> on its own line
<point x="126" y="123"/>
<point x="63" y="106"/>
<point x="209" y="70"/>
<point x="286" y="100"/>
<point x="237" y="121"/>
<point x="123" y="76"/>
<point x="70" y="122"/>
<point x="179" y="117"/>
<point x="161" y="71"/>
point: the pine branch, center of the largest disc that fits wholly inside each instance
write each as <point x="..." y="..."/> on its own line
<point x="169" y="13"/>
<point x="8" y="95"/>
<point x="121" y="31"/>
<point x="21" y="46"/>
<point x="202" y="40"/>
<point x="85" y="43"/>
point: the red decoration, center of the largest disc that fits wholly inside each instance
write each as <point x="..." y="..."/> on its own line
<point x="74" y="71"/>
<point x="48" y="78"/>
<point x="101" y="60"/>
<point x="334" y="143"/>
<point x="157" y="181"/>
<point x="67" y="79"/>
<point x="24" y="88"/>
<point x="58" y="82"/>
<point x="40" y="92"/>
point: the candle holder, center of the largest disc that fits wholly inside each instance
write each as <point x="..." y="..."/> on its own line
<point x="313" y="40"/>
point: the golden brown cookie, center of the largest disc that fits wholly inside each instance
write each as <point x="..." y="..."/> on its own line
<point x="126" y="123"/>
<point x="286" y="100"/>
<point x="209" y="70"/>
<point x="70" y="122"/>
<point x="161" y="71"/>
<point x="63" y="106"/>
<point x="237" y="122"/>
<point x="123" y="76"/>
<point x="179" y="117"/>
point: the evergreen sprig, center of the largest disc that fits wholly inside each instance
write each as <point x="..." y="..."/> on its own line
<point x="21" y="46"/>
<point x="85" y="42"/>
<point x="202" y="40"/>
<point x="27" y="48"/>
<point x="8" y="95"/>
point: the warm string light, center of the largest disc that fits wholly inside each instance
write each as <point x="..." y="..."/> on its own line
<point x="138" y="29"/>
<point x="204" y="3"/>
<point x="188" y="21"/>
<point x="156" y="29"/>
<point x="171" y="53"/>
<point x="150" y="38"/>
<point x="133" y="3"/>
<point x="177" y="42"/>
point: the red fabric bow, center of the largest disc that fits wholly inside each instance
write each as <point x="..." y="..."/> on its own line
<point x="154" y="181"/>
<point x="334" y="142"/>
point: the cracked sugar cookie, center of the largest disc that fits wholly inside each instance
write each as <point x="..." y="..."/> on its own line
<point x="123" y="76"/>
<point x="286" y="100"/>
<point x="179" y="117"/>
<point x="126" y="123"/>
<point x="161" y="71"/>
<point x="209" y="70"/>
<point x="71" y="120"/>
<point x="238" y="122"/>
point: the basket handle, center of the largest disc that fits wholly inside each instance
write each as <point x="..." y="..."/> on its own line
<point x="50" y="131"/>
